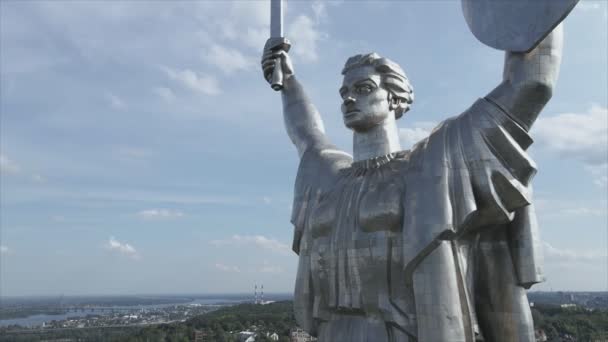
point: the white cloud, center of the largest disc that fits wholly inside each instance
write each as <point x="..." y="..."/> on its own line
<point x="165" y="93"/>
<point x="227" y="59"/>
<point x="8" y="166"/>
<point x="254" y="240"/>
<point x="159" y="214"/>
<point x="268" y="268"/>
<point x="320" y="10"/>
<point x="38" y="178"/>
<point x="553" y="254"/>
<point x="578" y="136"/>
<point x="242" y="22"/>
<point x="122" y="248"/>
<point x="588" y="5"/>
<point x="305" y="36"/>
<point x="115" y="101"/>
<point x="226" y="268"/>
<point x="267" y="200"/>
<point x="252" y="13"/>
<point x="419" y="131"/>
<point x="204" y="84"/>
<point x="599" y="174"/>
<point x="584" y="211"/>
<point x="4" y="250"/>
<point x="582" y="136"/>
<point x="255" y="37"/>
<point x="556" y="208"/>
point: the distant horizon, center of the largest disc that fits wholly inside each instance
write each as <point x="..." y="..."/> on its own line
<point x="155" y="295"/>
<point x="288" y="294"/>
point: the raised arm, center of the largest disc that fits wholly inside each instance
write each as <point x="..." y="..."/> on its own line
<point x="528" y="79"/>
<point x="302" y="120"/>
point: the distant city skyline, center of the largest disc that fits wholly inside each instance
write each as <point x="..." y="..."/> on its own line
<point x="141" y="151"/>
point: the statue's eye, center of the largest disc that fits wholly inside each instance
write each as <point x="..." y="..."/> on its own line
<point x="364" y="89"/>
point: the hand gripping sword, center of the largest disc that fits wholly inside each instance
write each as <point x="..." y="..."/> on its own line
<point x="277" y="41"/>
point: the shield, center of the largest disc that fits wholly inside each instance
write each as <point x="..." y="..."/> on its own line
<point x="514" y="25"/>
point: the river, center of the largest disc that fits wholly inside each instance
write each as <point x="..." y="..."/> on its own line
<point x="39" y="319"/>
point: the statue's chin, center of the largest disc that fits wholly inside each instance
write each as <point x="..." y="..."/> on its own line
<point x="361" y="124"/>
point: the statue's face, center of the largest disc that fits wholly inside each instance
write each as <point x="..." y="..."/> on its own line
<point x="365" y="104"/>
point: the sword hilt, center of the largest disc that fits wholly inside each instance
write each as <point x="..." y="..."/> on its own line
<point x="276" y="44"/>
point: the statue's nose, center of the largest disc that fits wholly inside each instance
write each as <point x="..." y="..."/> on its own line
<point x="349" y="101"/>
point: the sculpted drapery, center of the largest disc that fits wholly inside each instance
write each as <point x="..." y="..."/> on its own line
<point x="373" y="237"/>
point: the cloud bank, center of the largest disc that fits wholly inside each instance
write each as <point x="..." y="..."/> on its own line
<point x="122" y="248"/>
<point x="259" y="241"/>
<point x="578" y="136"/>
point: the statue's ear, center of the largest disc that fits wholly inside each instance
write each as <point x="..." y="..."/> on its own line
<point x="393" y="101"/>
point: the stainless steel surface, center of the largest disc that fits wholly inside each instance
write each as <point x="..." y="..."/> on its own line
<point x="276" y="18"/>
<point x="436" y="243"/>
<point x="276" y="31"/>
<point x="516" y="26"/>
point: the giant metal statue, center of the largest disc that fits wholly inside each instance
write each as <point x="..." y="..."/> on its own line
<point x="437" y="243"/>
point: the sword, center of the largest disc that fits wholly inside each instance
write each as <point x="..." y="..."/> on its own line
<point x="277" y="41"/>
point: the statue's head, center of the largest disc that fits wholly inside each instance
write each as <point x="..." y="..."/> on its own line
<point x="373" y="89"/>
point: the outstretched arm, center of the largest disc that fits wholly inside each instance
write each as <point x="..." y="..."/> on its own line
<point x="302" y="120"/>
<point x="528" y="79"/>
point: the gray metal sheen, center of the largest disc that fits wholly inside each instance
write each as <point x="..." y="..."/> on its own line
<point x="276" y="18"/>
<point x="515" y="25"/>
<point x="436" y="243"/>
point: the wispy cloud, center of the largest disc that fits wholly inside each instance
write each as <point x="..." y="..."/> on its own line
<point x="115" y="101"/>
<point x="558" y="208"/>
<point x="254" y="240"/>
<point x="319" y="8"/>
<point x="554" y="254"/>
<point x="8" y="166"/>
<point x="166" y="94"/>
<point x="419" y="130"/>
<point x="226" y="268"/>
<point x="269" y="268"/>
<point x="227" y="59"/>
<point x="305" y="37"/>
<point x="122" y="248"/>
<point x="4" y="250"/>
<point x="11" y="167"/>
<point x="588" y="5"/>
<point x="599" y="174"/>
<point x="145" y="198"/>
<point x="585" y="211"/>
<point x="38" y="178"/>
<point x="200" y="83"/>
<point x="578" y="136"/>
<point x="159" y="214"/>
<point x="581" y="136"/>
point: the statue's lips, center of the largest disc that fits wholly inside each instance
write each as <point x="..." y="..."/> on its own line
<point x="351" y="113"/>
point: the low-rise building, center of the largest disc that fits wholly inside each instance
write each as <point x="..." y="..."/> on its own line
<point x="299" y="335"/>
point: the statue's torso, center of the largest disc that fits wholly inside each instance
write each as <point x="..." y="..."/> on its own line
<point x="355" y="252"/>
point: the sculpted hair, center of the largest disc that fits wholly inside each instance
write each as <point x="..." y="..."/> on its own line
<point x="393" y="79"/>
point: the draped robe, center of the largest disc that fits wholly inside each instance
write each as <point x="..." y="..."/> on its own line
<point x="388" y="247"/>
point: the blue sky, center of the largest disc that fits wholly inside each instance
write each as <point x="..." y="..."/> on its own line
<point x="142" y="152"/>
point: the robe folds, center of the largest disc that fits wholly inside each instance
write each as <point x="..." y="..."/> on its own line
<point x="388" y="247"/>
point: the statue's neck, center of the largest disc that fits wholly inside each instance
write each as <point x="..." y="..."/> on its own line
<point x="380" y="140"/>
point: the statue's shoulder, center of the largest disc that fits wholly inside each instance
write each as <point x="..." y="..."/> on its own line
<point x="323" y="161"/>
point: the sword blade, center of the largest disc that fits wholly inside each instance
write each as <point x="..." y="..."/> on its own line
<point x="276" y="18"/>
